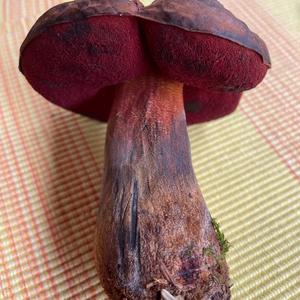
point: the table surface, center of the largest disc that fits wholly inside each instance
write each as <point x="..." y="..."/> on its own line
<point x="247" y="164"/>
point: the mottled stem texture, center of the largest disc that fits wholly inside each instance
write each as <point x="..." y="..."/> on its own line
<point x="154" y="231"/>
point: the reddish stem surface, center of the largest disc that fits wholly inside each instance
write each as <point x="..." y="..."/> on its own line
<point x="154" y="230"/>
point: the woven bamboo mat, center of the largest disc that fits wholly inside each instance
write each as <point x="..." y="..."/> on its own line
<point x="247" y="164"/>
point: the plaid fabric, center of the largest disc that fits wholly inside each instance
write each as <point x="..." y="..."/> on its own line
<point x="247" y="164"/>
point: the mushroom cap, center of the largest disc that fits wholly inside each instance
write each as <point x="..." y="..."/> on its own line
<point x="78" y="53"/>
<point x="202" y="105"/>
<point x="78" y="49"/>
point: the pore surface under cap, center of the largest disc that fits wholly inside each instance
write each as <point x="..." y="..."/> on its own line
<point x="78" y="53"/>
<point x="70" y="62"/>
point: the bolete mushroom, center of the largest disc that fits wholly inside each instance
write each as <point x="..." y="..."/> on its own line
<point x="149" y="71"/>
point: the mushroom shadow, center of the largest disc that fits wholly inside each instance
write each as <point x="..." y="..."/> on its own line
<point x="73" y="197"/>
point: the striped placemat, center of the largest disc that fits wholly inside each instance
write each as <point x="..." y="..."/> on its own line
<point x="247" y="164"/>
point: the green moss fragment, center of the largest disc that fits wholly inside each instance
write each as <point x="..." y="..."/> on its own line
<point x="224" y="244"/>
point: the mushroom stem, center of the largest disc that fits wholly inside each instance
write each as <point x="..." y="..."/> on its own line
<point x="153" y="224"/>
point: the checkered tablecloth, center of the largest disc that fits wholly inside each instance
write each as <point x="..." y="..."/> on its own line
<point x="247" y="164"/>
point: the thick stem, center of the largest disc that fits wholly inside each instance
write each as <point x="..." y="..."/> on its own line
<point x="153" y="229"/>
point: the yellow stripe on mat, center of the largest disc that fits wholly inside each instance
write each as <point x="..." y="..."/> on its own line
<point x="257" y="200"/>
<point x="286" y="12"/>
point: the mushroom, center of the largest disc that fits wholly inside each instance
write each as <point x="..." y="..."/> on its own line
<point x="149" y="71"/>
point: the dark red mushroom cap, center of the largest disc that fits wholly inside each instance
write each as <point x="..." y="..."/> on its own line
<point x="78" y="53"/>
<point x="200" y="43"/>
<point x="78" y="49"/>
